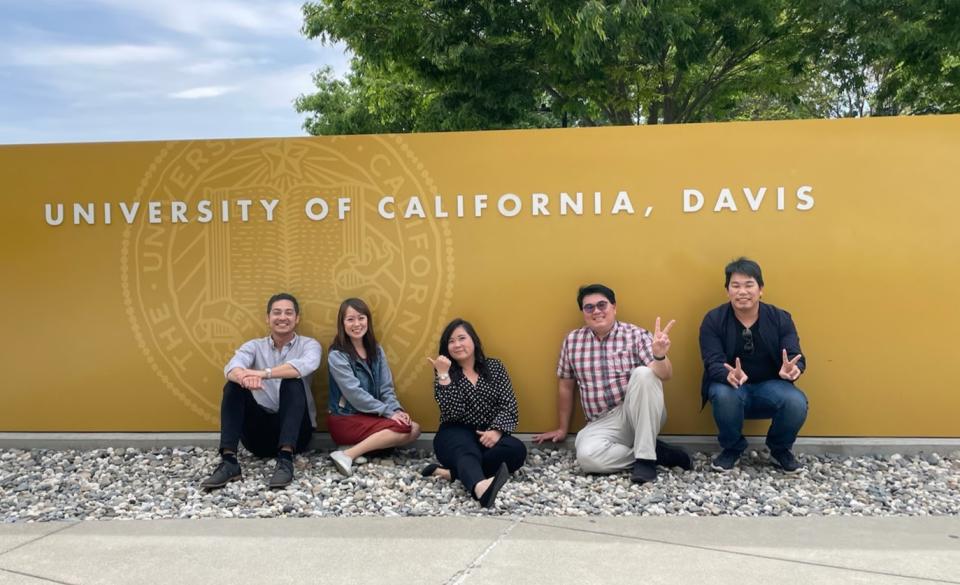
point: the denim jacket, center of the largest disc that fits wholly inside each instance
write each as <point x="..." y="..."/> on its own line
<point x="360" y="387"/>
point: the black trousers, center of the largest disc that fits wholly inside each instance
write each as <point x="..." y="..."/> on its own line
<point x="458" y="449"/>
<point x="262" y="432"/>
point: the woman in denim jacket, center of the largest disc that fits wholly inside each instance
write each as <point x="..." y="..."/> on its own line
<point x="363" y="407"/>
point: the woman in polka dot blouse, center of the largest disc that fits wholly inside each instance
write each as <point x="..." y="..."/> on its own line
<point x="478" y="411"/>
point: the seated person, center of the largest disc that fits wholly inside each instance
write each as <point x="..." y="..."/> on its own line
<point x="619" y="369"/>
<point x="363" y="407"/>
<point x="478" y="411"/>
<point x="751" y="359"/>
<point x="267" y="404"/>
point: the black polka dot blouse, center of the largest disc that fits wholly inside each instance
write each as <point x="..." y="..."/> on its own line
<point x="491" y="404"/>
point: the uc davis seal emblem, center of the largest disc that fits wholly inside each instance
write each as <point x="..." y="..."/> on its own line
<point x="235" y="229"/>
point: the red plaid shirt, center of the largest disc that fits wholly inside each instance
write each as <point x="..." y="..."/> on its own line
<point x="602" y="367"/>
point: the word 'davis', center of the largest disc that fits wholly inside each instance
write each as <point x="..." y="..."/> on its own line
<point x="694" y="199"/>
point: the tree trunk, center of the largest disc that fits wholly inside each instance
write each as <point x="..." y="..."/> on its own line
<point x="669" y="113"/>
<point x="653" y="113"/>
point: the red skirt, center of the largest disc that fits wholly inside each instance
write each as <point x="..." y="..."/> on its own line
<point x="350" y="429"/>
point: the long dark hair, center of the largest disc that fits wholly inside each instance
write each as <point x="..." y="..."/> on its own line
<point x="479" y="359"/>
<point x="342" y="341"/>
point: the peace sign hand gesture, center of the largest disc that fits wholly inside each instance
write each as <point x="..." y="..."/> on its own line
<point x="790" y="370"/>
<point x="736" y="377"/>
<point x="661" y="339"/>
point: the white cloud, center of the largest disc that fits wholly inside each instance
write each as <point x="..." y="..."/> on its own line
<point x="215" y="66"/>
<point x="92" y="55"/>
<point x="278" y="89"/>
<point x="261" y="17"/>
<point x="201" y="92"/>
<point x="176" y="69"/>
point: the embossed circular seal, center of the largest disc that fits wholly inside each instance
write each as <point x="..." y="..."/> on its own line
<point x="196" y="290"/>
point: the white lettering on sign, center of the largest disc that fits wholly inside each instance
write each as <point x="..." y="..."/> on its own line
<point x="515" y="205"/>
<point x="343" y="206"/>
<point x="415" y="206"/>
<point x="156" y="212"/>
<point x="382" y="207"/>
<point x="317" y="209"/>
<point x="622" y="204"/>
<point x="733" y="199"/>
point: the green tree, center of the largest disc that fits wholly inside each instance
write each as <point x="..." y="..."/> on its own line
<point x="416" y="68"/>
<point x="421" y="65"/>
<point x="890" y="57"/>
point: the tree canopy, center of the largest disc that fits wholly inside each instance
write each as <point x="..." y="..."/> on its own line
<point x="429" y="65"/>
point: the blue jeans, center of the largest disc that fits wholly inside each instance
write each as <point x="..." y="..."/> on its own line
<point x="774" y="399"/>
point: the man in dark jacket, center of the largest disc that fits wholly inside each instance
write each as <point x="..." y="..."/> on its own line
<point x="751" y="359"/>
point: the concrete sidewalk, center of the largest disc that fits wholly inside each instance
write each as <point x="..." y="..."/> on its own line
<point x="485" y="550"/>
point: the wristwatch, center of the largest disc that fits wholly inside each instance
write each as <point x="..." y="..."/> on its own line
<point x="269" y="373"/>
<point x="443" y="377"/>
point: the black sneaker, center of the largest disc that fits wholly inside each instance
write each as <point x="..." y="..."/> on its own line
<point x="644" y="471"/>
<point x="283" y="474"/>
<point x="725" y="461"/>
<point x="222" y="475"/>
<point x="670" y="456"/>
<point x="787" y="462"/>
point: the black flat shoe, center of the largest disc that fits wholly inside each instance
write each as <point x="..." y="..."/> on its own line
<point x="489" y="497"/>
<point x="670" y="456"/>
<point x="429" y="469"/>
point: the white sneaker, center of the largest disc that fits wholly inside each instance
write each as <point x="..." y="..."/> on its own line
<point x="343" y="463"/>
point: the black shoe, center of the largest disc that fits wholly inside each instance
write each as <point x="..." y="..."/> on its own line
<point x="283" y="474"/>
<point x="644" y="471"/>
<point x="222" y="475"/>
<point x="725" y="460"/>
<point x="670" y="456"/>
<point x="430" y="468"/>
<point x="489" y="497"/>
<point x="787" y="462"/>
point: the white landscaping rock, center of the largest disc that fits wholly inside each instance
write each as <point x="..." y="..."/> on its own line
<point x="48" y="485"/>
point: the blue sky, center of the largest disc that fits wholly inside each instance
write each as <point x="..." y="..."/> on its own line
<point x="106" y="70"/>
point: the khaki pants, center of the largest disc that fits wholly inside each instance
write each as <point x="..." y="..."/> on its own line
<point x="627" y="432"/>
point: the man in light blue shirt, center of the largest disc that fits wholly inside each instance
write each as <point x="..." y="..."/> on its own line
<point x="267" y="404"/>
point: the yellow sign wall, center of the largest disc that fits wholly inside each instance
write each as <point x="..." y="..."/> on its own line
<point x="133" y="270"/>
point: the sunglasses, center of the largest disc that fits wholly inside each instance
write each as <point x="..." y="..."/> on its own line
<point x="747" y="341"/>
<point x="589" y="308"/>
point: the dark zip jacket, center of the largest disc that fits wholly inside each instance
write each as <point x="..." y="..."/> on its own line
<point x="718" y="341"/>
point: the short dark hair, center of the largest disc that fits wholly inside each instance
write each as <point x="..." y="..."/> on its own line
<point x="479" y="359"/>
<point x="342" y="342"/>
<point x="745" y="266"/>
<point x="283" y="297"/>
<point x="595" y="289"/>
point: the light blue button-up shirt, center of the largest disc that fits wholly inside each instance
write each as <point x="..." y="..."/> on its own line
<point x="303" y="353"/>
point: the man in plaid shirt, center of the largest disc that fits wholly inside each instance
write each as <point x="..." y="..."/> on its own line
<point x="620" y="369"/>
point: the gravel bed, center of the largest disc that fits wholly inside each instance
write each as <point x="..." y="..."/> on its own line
<point x="46" y="485"/>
